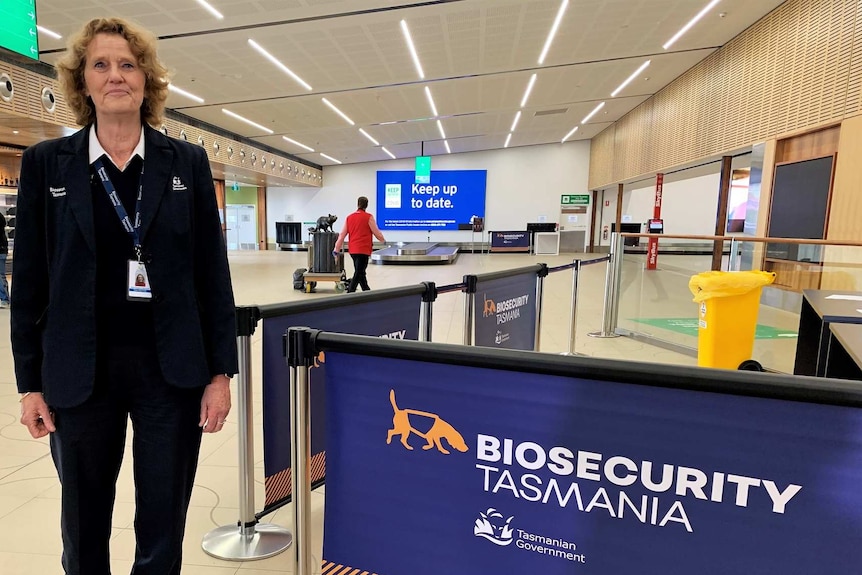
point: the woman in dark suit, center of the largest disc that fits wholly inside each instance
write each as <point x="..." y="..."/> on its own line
<point x="92" y="349"/>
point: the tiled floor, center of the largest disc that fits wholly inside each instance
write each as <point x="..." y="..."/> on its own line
<point x="29" y="491"/>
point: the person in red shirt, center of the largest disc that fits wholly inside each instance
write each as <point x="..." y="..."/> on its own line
<point x="360" y="226"/>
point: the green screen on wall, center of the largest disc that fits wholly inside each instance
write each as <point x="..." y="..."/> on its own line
<point x="423" y="170"/>
<point x="19" y="27"/>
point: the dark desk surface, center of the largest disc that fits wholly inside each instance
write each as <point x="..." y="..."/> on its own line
<point x="850" y="337"/>
<point x="835" y="310"/>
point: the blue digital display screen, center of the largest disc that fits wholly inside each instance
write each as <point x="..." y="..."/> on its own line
<point x="452" y="197"/>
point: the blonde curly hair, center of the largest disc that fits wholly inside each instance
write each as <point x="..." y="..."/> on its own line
<point x="70" y="69"/>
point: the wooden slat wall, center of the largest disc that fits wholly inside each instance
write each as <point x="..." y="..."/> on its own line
<point x="798" y="68"/>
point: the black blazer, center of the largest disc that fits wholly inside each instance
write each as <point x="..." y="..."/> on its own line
<point x="53" y="317"/>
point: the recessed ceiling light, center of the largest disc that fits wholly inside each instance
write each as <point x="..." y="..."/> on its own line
<point x="330" y="158"/>
<point x="508" y="139"/>
<point x="246" y="120"/>
<point x="431" y="101"/>
<point x="339" y="112"/>
<point x="515" y="121"/>
<point x="278" y="63"/>
<point x="210" y="9"/>
<point x="634" y="75"/>
<point x="528" y="90"/>
<point x="388" y="153"/>
<point x="295" y="143"/>
<point x="15" y="131"/>
<point x="569" y="135"/>
<point x="367" y="135"/>
<point x="47" y="32"/>
<point x="188" y="95"/>
<point x="446" y="143"/>
<point x="593" y="113"/>
<point x="691" y="23"/>
<point x="553" y="31"/>
<point x="440" y="127"/>
<point x="412" y="48"/>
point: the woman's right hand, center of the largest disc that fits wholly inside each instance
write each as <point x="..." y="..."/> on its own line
<point x="36" y="416"/>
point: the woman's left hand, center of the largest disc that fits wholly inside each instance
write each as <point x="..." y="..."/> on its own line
<point x="215" y="404"/>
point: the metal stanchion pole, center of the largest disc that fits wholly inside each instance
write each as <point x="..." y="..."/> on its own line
<point x="574" y="322"/>
<point x="540" y="284"/>
<point x="469" y="308"/>
<point x="300" y="450"/>
<point x="248" y="539"/>
<point x="731" y="260"/>
<point x="618" y="278"/>
<point x="609" y="295"/>
<point x="428" y="299"/>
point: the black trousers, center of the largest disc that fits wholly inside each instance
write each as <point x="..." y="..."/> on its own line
<point x="88" y="449"/>
<point x="360" y="264"/>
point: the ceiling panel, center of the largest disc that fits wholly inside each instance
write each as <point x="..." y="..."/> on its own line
<point x="477" y="56"/>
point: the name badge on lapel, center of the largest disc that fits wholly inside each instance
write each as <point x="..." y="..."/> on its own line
<point x="138" y="282"/>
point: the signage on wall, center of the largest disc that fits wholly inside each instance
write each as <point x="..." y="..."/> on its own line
<point x="451" y="198"/>
<point x="423" y="170"/>
<point x="575" y="200"/>
<point x="19" y="27"/>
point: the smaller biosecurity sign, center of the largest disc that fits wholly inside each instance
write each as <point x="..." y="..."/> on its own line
<point x="452" y="197"/>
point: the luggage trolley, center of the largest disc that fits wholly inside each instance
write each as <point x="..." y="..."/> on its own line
<point x="322" y="267"/>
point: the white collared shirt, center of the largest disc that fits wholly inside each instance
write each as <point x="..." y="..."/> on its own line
<point x="97" y="151"/>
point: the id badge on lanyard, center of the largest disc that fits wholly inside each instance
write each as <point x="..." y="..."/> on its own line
<point x="137" y="279"/>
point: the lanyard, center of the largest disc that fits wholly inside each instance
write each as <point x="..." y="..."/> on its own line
<point x="114" y="198"/>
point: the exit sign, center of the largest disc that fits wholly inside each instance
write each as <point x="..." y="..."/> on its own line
<point x="575" y="200"/>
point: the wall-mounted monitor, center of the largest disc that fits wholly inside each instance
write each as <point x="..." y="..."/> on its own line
<point x="19" y="27"/>
<point x="453" y="198"/>
<point x="655" y="226"/>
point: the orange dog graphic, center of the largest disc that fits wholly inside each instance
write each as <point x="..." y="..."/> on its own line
<point x="439" y="430"/>
<point x="490" y="307"/>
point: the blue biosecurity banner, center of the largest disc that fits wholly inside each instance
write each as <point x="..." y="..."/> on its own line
<point x="506" y="312"/>
<point x="437" y="468"/>
<point x="513" y="241"/>
<point x="396" y="318"/>
<point x="452" y="197"/>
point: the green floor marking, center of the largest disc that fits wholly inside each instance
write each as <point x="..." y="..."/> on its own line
<point x="688" y="326"/>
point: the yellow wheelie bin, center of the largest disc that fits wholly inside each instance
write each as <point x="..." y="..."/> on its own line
<point x="728" y="303"/>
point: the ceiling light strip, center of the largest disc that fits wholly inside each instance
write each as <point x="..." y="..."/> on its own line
<point x="508" y="139"/>
<point x="330" y="158"/>
<point x="569" y="135"/>
<point x="409" y="39"/>
<point x="210" y="9"/>
<point x="47" y="32"/>
<point x="388" y="153"/>
<point x="188" y="95"/>
<point x="630" y="78"/>
<point x="440" y="127"/>
<point x="367" y="135"/>
<point x="691" y="23"/>
<point x="553" y="31"/>
<point x="515" y="121"/>
<point x="593" y="113"/>
<point x="278" y="64"/>
<point x="339" y="112"/>
<point x="295" y="143"/>
<point x="246" y="120"/>
<point x="528" y="90"/>
<point x="431" y="101"/>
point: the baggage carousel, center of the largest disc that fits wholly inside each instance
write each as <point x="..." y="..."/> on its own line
<point x="415" y="253"/>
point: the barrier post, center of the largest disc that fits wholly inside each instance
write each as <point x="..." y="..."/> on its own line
<point x="731" y="260"/>
<point x="574" y="322"/>
<point x="540" y="284"/>
<point x="428" y="298"/>
<point x="300" y="358"/>
<point x="618" y="278"/>
<point x="247" y="540"/>
<point x="607" y="330"/>
<point x="469" y="308"/>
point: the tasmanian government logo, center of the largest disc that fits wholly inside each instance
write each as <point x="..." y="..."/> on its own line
<point x="490" y="526"/>
<point x="435" y="435"/>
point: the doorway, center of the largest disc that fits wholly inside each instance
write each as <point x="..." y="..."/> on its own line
<point x="241" y="227"/>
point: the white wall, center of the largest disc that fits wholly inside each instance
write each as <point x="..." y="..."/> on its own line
<point x="688" y="207"/>
<point x="523" y="184"/>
